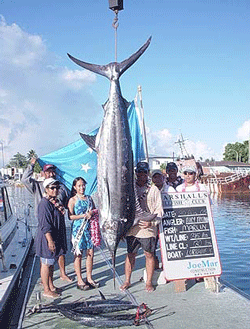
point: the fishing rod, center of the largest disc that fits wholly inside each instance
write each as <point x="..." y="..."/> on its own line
<point x="130" y="296"/>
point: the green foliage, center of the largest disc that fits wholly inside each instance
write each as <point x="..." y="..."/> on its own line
<point x="163" y="166"/>
<point x="31" y="154"/>
<point x="21" y="161"/>
<point x="236" y="152"/>
<point x="37" y="168"/>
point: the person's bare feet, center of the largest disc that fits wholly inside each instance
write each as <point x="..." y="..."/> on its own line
<point x="66" y="278"/>
<point x="149" y="288"/>
<point x="51" y="294"/>
<point x="125" y="286"/>
<point x="55" y="289"/>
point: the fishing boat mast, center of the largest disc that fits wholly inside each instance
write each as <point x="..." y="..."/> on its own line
<point x="181" y="143"/>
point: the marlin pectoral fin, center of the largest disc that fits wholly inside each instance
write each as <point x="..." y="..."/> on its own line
<point x="124" y="65"/>
<point x="89" y="140"/>
<point x="99" y="69"/>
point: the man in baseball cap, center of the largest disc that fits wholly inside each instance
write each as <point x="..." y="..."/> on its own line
<point x="36" y="187"/>
<point x="172" y="179"/>
<point x="142" y="167"/>
<point x="143" y="234"/>
<point x="49" y="182"/>
<point x="49" y="166"/>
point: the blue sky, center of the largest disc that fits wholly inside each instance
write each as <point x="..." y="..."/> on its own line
<point x="194" y="75"/>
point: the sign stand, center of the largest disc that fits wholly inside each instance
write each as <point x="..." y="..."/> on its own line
<point x="188" y="242"/>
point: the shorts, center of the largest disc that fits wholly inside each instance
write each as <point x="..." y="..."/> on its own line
<point x="48" y="261"/>
<point x="134" y="244"/>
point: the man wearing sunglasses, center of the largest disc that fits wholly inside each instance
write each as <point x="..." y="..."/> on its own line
<point x="191" y="183"/>
<point x="51" y="235"/>
<point x="36" y="188"/>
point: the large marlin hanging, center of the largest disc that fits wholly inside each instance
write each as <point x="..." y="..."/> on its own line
<point x="116" y="193"/>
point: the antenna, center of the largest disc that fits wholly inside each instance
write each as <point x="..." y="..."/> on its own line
<point x="116" y="6"/>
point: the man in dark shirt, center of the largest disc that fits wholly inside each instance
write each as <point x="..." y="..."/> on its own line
<point x="36" y="188"/>
<point x="172" y="179"/>
<point x="51" y="235"/>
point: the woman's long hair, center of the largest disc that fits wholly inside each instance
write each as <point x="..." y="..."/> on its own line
<point x="73" y="191"/>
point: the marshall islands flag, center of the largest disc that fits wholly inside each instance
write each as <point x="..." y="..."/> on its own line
<point x="78" y="159"/>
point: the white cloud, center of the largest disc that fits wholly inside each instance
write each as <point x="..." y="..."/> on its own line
<point x="244" y="131"/>
<point x="160" y="142"/>
<point x="163" y="143"/>
<point x="19" y="48"/>
<point x="78" y="79"/>
<point x="42" y="106"/>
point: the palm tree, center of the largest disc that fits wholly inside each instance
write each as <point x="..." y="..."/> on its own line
<point x="19" y="161"/>
<point x="31" y="154"/>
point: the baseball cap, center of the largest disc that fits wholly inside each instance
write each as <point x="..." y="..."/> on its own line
<point x="142" y="167"/>
<point x="50" y="181"/>
<point x="156" y="171"/>
<point x="189" y="169"/>
<point x="49" y="166"/>
<point x="171" y="165"/>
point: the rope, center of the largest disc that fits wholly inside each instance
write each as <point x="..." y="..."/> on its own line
<point x="115" y="25"/>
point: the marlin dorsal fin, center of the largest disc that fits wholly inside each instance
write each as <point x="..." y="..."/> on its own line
<point x="89" y="140"/>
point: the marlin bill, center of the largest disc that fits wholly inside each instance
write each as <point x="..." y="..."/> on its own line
<point x="117" y="202"/>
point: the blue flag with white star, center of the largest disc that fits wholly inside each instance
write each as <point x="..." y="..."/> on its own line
<point x="79" y="160"/>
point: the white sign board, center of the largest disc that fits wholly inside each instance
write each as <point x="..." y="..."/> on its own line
<point x="187" y="237"/>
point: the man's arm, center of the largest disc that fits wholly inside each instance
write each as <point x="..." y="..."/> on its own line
<point x="63" y="195"/>
<point x="27" y="179"/>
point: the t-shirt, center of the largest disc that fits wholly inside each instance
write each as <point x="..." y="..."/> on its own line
<point x="196" y="187"/>
<point x="50" y="220"/>
<point x="150" y="201"/>
<point x="167" y="188"/>
<point x="176" y="183"/>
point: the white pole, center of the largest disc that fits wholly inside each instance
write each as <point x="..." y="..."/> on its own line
<point x="249" y="146"/>
<point x="143" y="124"/>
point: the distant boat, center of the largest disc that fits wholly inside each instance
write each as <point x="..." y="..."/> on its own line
<point x="228" y="183"/>
<point x="15" y="241"/>
<point x="226" y="177"/>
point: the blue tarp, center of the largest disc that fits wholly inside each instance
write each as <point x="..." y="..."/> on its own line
<point x="78" y="160"/>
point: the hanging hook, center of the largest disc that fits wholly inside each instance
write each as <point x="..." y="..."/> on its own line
<point x="115" y="23"/>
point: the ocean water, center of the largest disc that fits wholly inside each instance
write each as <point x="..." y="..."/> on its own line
<point x="231" y="216"/>
<point x="232" y="224"/>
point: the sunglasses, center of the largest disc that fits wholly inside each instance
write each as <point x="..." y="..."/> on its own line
<point x="54" y="188"/>
<point x="189" y="173"/>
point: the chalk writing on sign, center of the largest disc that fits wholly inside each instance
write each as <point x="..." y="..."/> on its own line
<point x="187" y="236"/>
<point x="187" y="233"/>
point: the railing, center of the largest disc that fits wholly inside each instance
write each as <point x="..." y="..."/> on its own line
<point x="25" y="221"/>
<point x="228" y="179"/>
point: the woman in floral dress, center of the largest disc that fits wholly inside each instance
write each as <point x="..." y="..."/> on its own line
<point x="80" y="210"/>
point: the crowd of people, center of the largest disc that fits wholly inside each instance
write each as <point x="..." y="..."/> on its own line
<point x="54" y="202"/>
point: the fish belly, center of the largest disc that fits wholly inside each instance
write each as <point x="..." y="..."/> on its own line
<point x="115" y="178"/>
